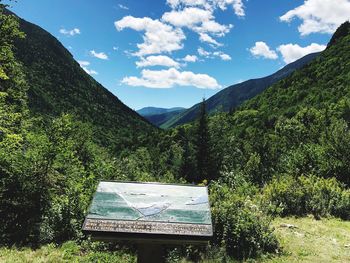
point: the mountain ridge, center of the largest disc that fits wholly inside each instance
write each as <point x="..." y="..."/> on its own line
<point x="58" y="85"/>
<point x="234" y="95"/>
<point x="147" y="111"/>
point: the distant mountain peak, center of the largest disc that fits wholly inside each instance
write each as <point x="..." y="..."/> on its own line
<point x="148" y="111"/>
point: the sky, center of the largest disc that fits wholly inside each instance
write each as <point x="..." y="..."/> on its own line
<point x="172" y="53"/>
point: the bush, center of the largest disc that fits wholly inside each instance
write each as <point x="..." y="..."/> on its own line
<point x="307" y="194"/>
<point x="240" y="228"/>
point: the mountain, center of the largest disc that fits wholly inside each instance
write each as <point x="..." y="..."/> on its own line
<point x="158" y="116"/>
<point x="297" y="127"/>
<point x="57" y="85"/>
<point x="148" y="111"/>
<point x="159" y="119"/>
<point x="235" y="95"/>
<point x="323" y="82"/>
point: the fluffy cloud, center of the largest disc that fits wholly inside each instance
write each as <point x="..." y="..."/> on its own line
<point x="188" y="17"/>
<point x="157" y="61"/>
<point x="158" y="38"/>
<point x="199" y="20"/>
<point x="319" y="16"/>
<point x="84" y="65"/>
<point x="170" y="78"/>
<point x="166" y="35"/>
<point x="190" y="58"/>
<point x="99" y="55"/>
<point x="292" y="52"/>
<point x="261" y="49"/>
<point x="73" y="32"/>
<point x="237" y="5"/>
<point x="214" y="28"/>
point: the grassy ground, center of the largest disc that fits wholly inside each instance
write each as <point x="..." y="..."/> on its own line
<point x="67" y="253"/>
<point x="322" y="241"/>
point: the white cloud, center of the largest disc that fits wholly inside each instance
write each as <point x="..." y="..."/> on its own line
<point x="237" y="5"/>
<point x="100" y="55"/>
<point x="73" y="32"/>
<point x="292" y="52"/>
<point x="222" y="55"/>
<point x="84" y="65"/>
<point x="176" y="3"/>
<point x="203" y="37"/>
<point x="158" y="38"/>
<point x="202" y="52"/>
<point x="157" y="61"/>
<point x="190" y="58"/>
<point x="215" y="28"/>
<point x="172" y="77"/>
<point x="115" y="48"/>
<point x="200" y="21"/>
<point x="319" y="16"/>
<point x="90" y="71"/>
<point x="261" y="49"/>
<point x="188" y="17"/>
<point x="123" y="7"/>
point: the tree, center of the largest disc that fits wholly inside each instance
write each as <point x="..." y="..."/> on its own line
<point x="204" y="155"/>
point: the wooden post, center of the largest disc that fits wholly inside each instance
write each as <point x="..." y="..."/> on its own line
<point x="150" y="253"/>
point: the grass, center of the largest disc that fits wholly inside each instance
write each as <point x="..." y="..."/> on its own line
<point x="326" y="240"/>
<point x="67" y="253"/>
<point x="321" y="241"/>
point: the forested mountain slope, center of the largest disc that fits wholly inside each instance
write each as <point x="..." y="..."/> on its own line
<point x="299" y="126"/>
<point x="57" y="84"/>
<point x="233" y="96"/>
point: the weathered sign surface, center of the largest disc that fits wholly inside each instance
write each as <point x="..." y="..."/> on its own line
<point x="150" y="209"/>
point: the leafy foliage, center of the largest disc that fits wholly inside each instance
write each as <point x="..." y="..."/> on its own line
<point x="58" y="85"/>
<point x="304" y="195"/>
<point x="284" y="151"/>
<point x="241" y="228"/>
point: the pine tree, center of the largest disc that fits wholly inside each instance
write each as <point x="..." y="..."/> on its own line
<point x="204" y="159"/>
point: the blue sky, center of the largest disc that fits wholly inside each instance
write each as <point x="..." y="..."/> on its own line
<point x="169" y="53"/>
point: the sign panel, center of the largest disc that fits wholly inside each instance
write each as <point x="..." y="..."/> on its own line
<point x="150" y="209"/>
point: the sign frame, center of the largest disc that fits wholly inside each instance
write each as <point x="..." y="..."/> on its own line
<point x="107" y="229"/>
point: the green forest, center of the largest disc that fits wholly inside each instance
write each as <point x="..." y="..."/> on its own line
<point x="285" y="152"/>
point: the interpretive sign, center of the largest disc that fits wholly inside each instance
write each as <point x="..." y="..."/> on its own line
<point x="148" y="211"/>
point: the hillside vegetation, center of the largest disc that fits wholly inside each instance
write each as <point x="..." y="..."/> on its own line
<point x="57" y="85"/>
<point x="283" y="153"/>
<point x="232" y="97"/>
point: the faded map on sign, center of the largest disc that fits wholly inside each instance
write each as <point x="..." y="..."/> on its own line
<point x="151" y="202"/>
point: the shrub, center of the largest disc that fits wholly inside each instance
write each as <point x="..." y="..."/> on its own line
<point x="307" y="194"/>
<point x="240" y="228"/>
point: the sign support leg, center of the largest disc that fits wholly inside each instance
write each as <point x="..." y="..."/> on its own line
<point x="150" y="253"/>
